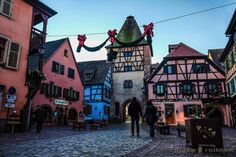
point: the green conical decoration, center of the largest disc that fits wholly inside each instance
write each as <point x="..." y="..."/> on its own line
<point x="129" y="33"/>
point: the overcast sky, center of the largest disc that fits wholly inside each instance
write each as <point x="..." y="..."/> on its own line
<point x="202" y="31"/>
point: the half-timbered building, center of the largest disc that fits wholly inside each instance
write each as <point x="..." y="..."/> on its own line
<point x="229" y="58"/>
<point x="183" y="82"/>
<point x="96" y="76"/>
<point x="132" y="63"/>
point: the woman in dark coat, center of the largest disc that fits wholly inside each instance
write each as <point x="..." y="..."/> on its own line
<point x="151" y="117"/>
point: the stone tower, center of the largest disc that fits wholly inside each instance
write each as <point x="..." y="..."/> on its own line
<point x="130" y="67"/>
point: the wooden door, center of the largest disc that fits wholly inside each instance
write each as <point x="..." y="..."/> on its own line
<point x="169" y="113"/>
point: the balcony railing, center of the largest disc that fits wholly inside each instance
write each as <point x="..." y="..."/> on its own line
<point x="37" y="38"/>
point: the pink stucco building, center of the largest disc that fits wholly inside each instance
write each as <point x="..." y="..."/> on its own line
<point x="17" y="21"/>
<point x="63" y="90"/>
<point x="185" y="81"/>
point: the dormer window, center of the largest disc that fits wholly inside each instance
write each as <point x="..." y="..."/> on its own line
<point x="88" y="76"/>
<point x="200" y="68"/>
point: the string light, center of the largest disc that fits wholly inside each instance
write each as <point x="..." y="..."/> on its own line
<point x="162" y="21"/>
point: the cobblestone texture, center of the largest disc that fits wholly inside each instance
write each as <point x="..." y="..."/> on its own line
<point x="174" y="146"/>
<point x="114" y="140"/>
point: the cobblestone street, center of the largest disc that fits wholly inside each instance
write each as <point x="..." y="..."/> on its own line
<point x="111" y="141"/>
<point x="114" y="140"/>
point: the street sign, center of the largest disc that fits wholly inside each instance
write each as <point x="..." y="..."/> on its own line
<point x="12" y="91"/>
<point x="61" y="102"/>
<point x="11" y="98"/>
<point x="10" y="105"/>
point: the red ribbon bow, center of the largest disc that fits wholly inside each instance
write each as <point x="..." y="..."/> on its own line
<point x="148" y="28"/>
<point x="81" y="39"/>
<point x="112" y="34"/>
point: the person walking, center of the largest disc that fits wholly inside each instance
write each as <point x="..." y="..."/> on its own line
<point x="39" y="116"/>
<point x="151" y="117"/>
<point x="134" y="111"/>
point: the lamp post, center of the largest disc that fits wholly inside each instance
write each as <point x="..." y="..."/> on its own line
<point x="40" y="52"/>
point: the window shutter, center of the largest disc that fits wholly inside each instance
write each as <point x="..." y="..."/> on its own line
<point x="13" y="56"/>
<point x="165" y="69"/>
<point x="154" y="89"/>
<point x="77" y="95"/>
<point x="65" y="93"/>
<point x="59" y="92"/>
<point x="62" y="67"/>
<point x="3" y="48"/>
<point x="55" y="92"/>
<point x="219" y="87"/>
<point x="185" y="110"/>
<point x="43" y="88"/>
<point x="51" y="86"/>
<point x="47" y="89"/>
<point x="6" y="7"/>
<point x="180" y="88"/>
<point x="174" y="69"/>
<point x="193" y="88"/>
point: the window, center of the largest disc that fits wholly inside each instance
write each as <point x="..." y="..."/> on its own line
<point x="128" y="55"/>
<point x="106" y="93"/>
<point x="88" y="76"/>
<point x="187" y="88"/>
<point x="232" y="86"/>
<point x="160" y="89"/>
<point x="200" y="68"/>
<point x="71" y="73"/>
<point x="2" y="88"/>
<point x="6" y="7"/>
<point x="58" y="68"/>
<point x="3" y="50"/>
<point x="170" y="69"/>
<point x="13" y="56"/>
<point x="9" y="52"/>
<point x="128" y="84"/>
<point x="213" y="88"/>
<point x="191" y="109"/>
<point x="128" y="68"/>
<point x="66" y="53"/>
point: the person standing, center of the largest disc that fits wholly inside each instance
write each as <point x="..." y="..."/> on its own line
<point x="39" y="116"/>
<point x="151" y="117"/>
<point x="134" y="111"/>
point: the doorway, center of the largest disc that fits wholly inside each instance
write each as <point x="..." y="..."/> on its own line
<point x="169" y="114"/>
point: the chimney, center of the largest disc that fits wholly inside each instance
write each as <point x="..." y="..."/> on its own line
<point x="173" y="47"/>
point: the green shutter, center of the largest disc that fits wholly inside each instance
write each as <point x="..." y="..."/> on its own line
<point x="154" y="89"/>
<point x="185" y="110"/>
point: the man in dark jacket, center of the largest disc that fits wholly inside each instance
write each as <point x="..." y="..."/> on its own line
<point x="39" y="117"/>
<point x="151" y="117"/>
<point x="135" y="110"/>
